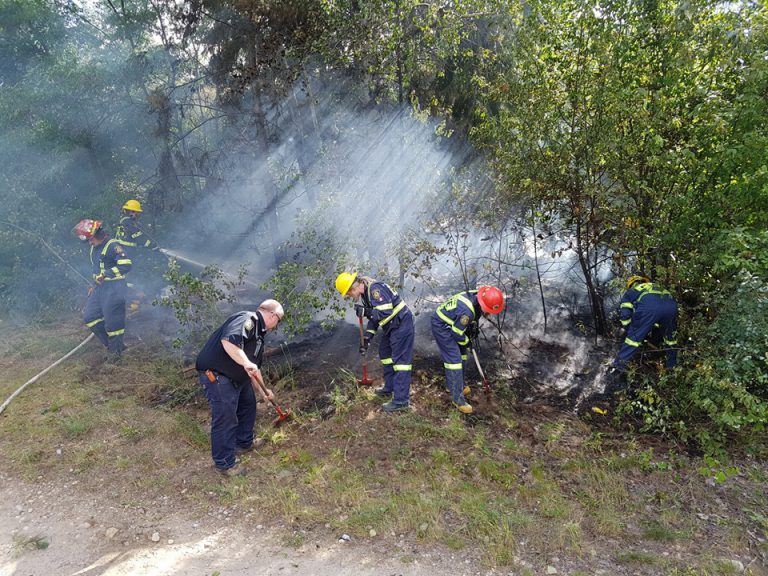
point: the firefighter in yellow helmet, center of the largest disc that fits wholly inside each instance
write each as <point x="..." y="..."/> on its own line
<point x="129" y="233"/>
<point x="384" y="309"/>
<point x="646" y="311"/>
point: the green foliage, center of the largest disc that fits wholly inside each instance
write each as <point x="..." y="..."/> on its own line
<point x="195" y="300"/>
<point x="305" y="285"/>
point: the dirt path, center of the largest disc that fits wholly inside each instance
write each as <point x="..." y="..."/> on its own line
<point x="88" y="536"/>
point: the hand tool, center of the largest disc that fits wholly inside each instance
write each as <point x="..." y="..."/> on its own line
<point x="282" y="415"/>
<point x="486" y="386"/>
<point x="364" y="381"/>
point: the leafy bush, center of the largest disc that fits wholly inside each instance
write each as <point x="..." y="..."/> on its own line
<point x="194" y="300"/>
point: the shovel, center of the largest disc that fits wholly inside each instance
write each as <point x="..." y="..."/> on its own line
<point x="365" y="381"/>
<point x="282" y="415"/>
<point x="486" y="386"/>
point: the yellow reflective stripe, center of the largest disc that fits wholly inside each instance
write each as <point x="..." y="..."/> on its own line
<point x="458" y="366"/>
<point x="463" y="356"/>
<point x="124" y="261"/>
<point x="371" y="331"/>
<point x="625" y="322"/>
<point x="387" y="306"/>
<point x="116" y="332"/>
<point x="386" y="361"/>
<point x="402" y="367"/>
<point x="128" y="243"/>
<point x="444" y="318"/>
<point x="670" y="342"/>
<point x="626" y="305"/>
<point x="114" y="278"/>
<point x="394" y="313"/>
<point x="94" y="322"/>
<point x="629" y="342"/>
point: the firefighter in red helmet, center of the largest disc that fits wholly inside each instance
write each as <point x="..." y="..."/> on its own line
<point x="104" y="312"/>
<point x="454" y="324"/>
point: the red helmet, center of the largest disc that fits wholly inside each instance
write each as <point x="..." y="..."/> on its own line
<point x="491" y="299"/>
<point x="85" y="229"/>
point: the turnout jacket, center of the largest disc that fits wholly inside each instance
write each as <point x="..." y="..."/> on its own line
<point x="385" y="305"/>
<point x="634" y="297"/>
<point x="109" y="261"/>
<point x="459" y="312"/>
<point x="129" y="233"/>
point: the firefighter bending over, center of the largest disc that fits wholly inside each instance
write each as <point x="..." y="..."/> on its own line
<point x="386" y="310"/>
<point x="646" y="310"/>
<point x="453" y="324"/>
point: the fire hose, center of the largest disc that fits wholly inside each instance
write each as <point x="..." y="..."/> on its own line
<point x="31" y="380"/>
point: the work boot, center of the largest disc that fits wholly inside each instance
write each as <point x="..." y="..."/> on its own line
<point x="466" y="391"/>
<point x="236" y="470"/>
<point x="464" y="408"/>
<point x="392" y="407"/>
<point x="255" y="445"/>
<point x="382" y="393"/>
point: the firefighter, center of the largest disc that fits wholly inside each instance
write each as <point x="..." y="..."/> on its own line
<point x="227" y="366"/>
<point x="104" y="311"/>
<point x="386" y="310"/>
<point x="646" y="310"/>
<point x="454" y="324"/>
<point x="129" y="233"/>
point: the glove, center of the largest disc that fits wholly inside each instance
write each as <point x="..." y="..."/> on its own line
<point x="472" y="331"/>
<point x="361" y="311"/>
<point x="99" y="279"/>
<point x="364" y="346"/>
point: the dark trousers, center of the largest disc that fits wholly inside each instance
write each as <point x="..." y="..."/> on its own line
<point x="453" y="359"/>
<point x="655" y="315"/>
<point x="396" y="353"/>
<point x="104" y="314"/>
<point x="233" y="416"/>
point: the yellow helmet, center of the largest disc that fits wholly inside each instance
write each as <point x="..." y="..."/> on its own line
<point x="133" y="206"/>
<point x="344" y="282"/>
<point x="633" y="279"/>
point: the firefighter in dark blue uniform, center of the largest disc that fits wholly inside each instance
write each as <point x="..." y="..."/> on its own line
<point x="454" y="321"/>
<point x="386" y="310"/>
<point x="104" y="312"/>
<point x="129" y="233"/>
<point x="227" y="365"/>
<point x="646" y="309"/>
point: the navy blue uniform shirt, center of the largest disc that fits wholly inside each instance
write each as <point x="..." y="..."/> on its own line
<point x="245" y="330"/>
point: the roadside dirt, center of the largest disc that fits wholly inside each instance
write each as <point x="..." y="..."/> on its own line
<point x="85" y="534"/>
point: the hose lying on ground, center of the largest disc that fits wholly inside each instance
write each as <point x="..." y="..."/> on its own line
<point x="30" y="381"/>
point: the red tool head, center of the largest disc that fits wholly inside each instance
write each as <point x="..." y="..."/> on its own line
<point x="282" y="416"/>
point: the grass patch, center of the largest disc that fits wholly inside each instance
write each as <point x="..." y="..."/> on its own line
<point x="191" y="431"/>
<point x="77" y="425"/>
<point x="22" y="544"/>
<point x="635" y="557"/>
